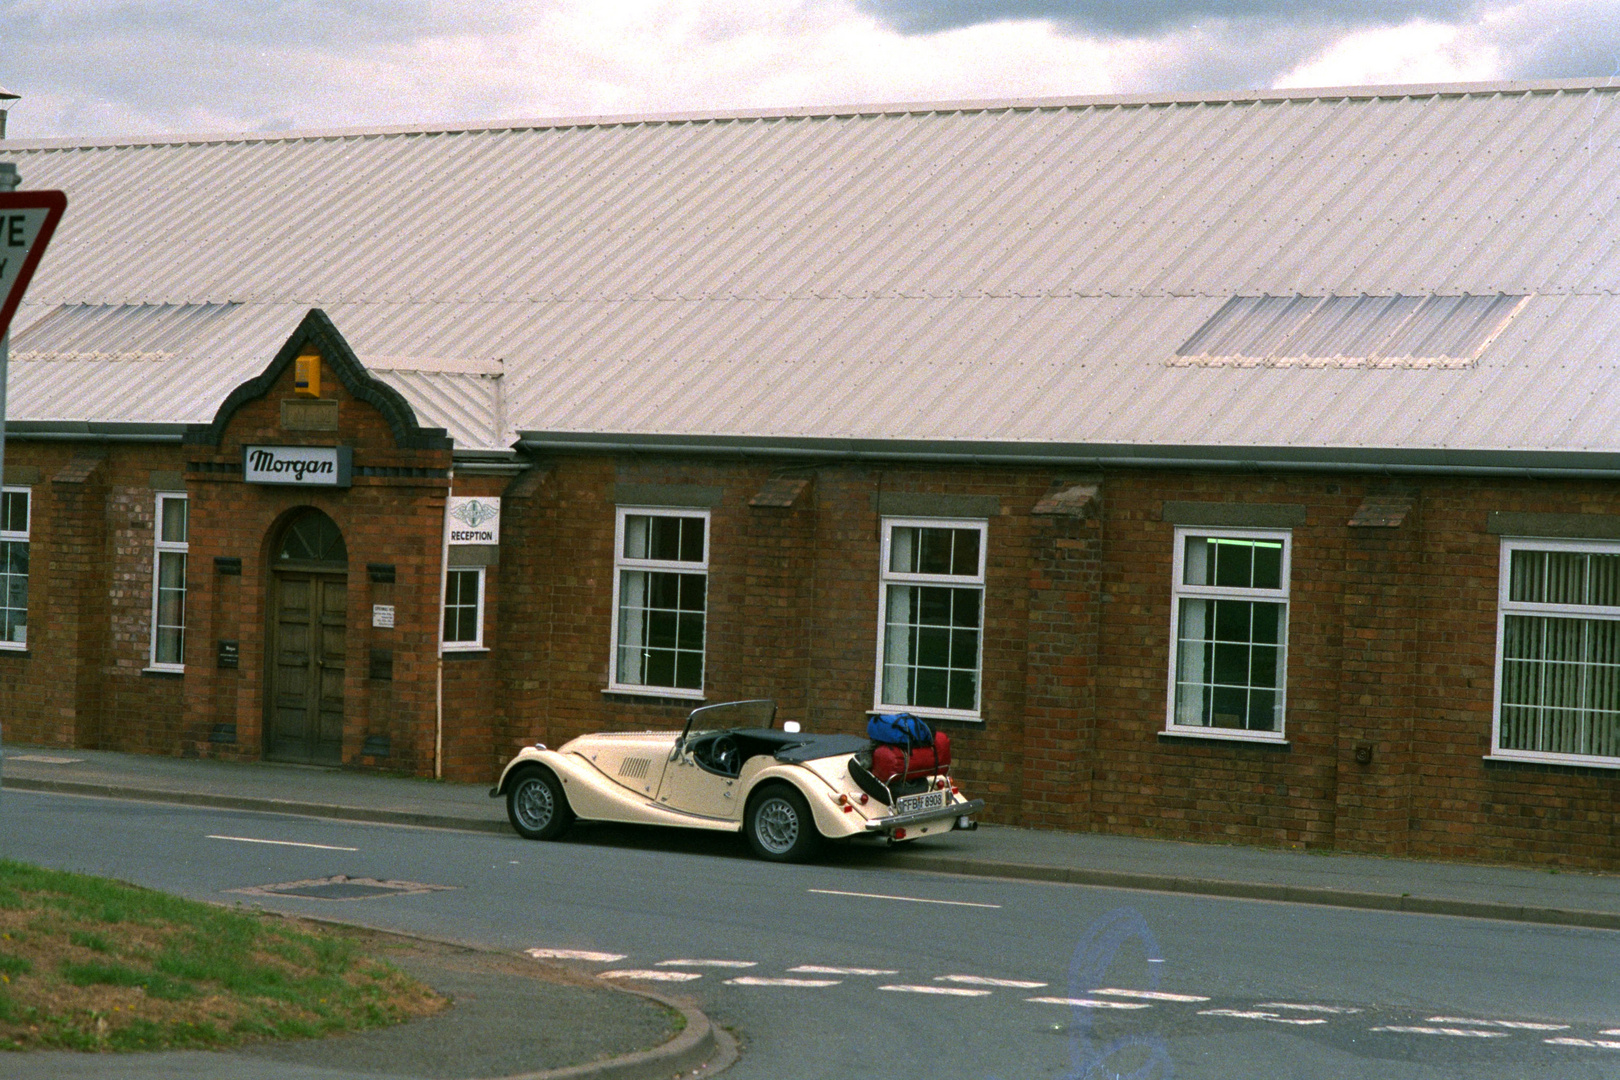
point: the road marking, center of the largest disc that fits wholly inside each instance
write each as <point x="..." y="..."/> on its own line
<point x="1464" y="1033"/>
<point x="280" y="843"/>
<point x="980" y="980"/>
<point x="46" y="759"/>
<point x="907" y="899"/>
<point x="1088" y="1003"/>
<point x="817" y="969"/>
<point x="1603" y="1044"/>
<point x="1610" y="1031"/>
<point x="1255" y="1014"/>
<point x="708" y="963"/>
<point x="575" y="954"/>
<point x="953" y="991"/>
<point x="1524" y="1025"/>
<point x="1149" y="995"/>
<point x="1307" y="1008"/>
<point x="650" y="976"/>
<point x="755" y="980"/>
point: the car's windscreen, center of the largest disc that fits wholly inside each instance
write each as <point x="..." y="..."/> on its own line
<point x="733" y="714"/>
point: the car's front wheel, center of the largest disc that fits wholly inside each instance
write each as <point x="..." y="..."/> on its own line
<point x="536" y="806"/>
<point x="779" y="825"/>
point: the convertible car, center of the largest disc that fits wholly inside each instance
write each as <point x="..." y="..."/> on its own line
<point x="730" y="770"/>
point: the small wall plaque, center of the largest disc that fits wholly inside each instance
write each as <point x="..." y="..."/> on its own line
<point x="382" y="663"/>
<point x="230" y="653"/>
<point x="309" y="415"/>
<point x="380" y="573"/>
<point x="227" y="565"/>
<point x="382" y="616"/>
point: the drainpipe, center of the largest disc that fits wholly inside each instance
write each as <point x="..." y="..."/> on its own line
<point x="444" y="584"/>
<point x="8" y="182"/>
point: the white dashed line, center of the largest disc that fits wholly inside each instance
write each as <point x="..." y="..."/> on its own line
<point x="708" y="963"/>
<point x="1149" y="995"/>
<point x="907" y="899"/>
<point x="1088" y="1003"/>
<point x="281" y="843"/>
<point x="1268" y="1017"/>
<point x="1307" y="1008"/>
<point x="1461" y="1033"/>
<point x="755" y="980"/>
<point x="980" y="980"/>
<point x="1610" y="1031"/>
<point x="953" y="991"/>
<point x="650" y="976"/>
<point x="575" y="954"/>
<point x="1522" y="1025"/>
<point x="817" y="969"/>
<point x="1600" y="1044"/>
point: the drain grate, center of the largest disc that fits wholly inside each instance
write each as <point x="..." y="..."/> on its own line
<point x="342" y="887"/>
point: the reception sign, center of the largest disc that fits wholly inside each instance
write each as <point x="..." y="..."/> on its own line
<point x="475" y="520"/>
<point x="299" y="466"/>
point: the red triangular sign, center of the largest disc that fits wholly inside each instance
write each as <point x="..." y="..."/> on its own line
<point x="27" y="220"/>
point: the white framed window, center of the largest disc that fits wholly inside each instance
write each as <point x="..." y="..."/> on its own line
<point x="171" y="532"/>
<point x="1229" y="633"/>
<point x="660" y="601"/>
<point x="16" y="505"/>
<point x="464" y="608"/>
<point x="1558" y="653"/>
<point x="931" y="617"/>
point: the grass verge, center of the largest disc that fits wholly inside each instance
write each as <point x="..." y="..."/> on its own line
<point x="92" y="964"/>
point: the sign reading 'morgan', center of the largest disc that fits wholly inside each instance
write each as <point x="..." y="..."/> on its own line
<point x="304" y="466"/>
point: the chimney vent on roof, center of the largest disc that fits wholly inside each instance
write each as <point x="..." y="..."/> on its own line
<point x="7" y="98"/>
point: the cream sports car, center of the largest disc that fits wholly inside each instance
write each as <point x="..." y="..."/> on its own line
<point x="728" y="770"/>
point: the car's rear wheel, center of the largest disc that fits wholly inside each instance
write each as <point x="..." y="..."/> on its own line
<point x="536" y="806"/>
<point x="780" y="826"/>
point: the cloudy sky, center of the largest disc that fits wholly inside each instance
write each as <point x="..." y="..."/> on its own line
<point x="98" y="67"/>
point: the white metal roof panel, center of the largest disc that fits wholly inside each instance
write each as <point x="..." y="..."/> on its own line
<point x="1014" y="272"/>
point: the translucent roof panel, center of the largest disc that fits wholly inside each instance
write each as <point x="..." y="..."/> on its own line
<point x="1351" y="330"/>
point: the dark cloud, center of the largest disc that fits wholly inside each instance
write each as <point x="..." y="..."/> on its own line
<point x="1148" y="18"/>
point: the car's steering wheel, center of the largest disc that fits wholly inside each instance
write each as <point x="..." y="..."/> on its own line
<point x="723" y="752"/>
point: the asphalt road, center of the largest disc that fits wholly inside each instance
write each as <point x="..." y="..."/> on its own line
<point x="847" y="969"/>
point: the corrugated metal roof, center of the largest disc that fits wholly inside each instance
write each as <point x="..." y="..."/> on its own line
<point x="1020" y="273"/>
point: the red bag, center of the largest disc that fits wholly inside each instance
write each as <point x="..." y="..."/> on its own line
<point x="889" y="761"/>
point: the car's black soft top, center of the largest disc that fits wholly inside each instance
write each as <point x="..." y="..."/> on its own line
<point x="795" y="748"/>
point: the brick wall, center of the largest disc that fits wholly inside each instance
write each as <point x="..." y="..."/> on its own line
<point x="1392" y="634"/>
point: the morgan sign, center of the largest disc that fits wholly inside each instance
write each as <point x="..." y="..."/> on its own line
<point x="300" y="466"/>
<point x="475" y="520"/>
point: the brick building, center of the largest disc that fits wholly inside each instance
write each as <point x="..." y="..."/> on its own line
<point x="1235" y="467"/>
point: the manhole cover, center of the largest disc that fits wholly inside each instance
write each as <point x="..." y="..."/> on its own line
<point x="342" y="887"/>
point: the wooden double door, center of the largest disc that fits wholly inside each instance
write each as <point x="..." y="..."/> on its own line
<point x="306" y="669"/>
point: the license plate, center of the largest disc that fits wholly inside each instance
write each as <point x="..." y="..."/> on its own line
<point x="928" y="800"/>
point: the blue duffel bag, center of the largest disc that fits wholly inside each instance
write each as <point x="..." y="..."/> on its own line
<point x="899" y="729"/>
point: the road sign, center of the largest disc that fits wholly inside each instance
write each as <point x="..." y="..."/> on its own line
<point x="27" y="220"/>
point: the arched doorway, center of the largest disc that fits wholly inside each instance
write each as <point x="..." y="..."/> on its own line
<point x="306" y="658"/>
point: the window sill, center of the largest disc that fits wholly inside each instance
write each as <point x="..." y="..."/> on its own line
<point x="464" y="653"/>
<point x="162" y="672"/>
<point x="1253" y="738"/>
<point x="1568" y="761"/>
<point x="930" y="715"/>
<point x="667" y="693"/>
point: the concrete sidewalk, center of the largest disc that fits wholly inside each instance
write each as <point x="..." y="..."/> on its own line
<point x="1499" y="892"/>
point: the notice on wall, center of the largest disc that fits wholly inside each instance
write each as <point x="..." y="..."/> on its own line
<point x="475" y="520"/>
<point x="382" y="616"/>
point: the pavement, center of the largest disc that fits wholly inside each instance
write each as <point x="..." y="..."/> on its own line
<point x="494" y="1001"/>
<point x="1523" y="894"/>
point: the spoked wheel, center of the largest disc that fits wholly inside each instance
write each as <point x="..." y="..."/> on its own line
<point x="536" y="806"/>
<point x="779" y="825"/>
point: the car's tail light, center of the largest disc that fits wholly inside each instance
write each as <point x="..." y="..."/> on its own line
<point x="940" y="785"/>
<point x="848" y="809"/>
<point x="955" y="790"/>
<point x="864" y="798"/>
<point x="899" y="834"/>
